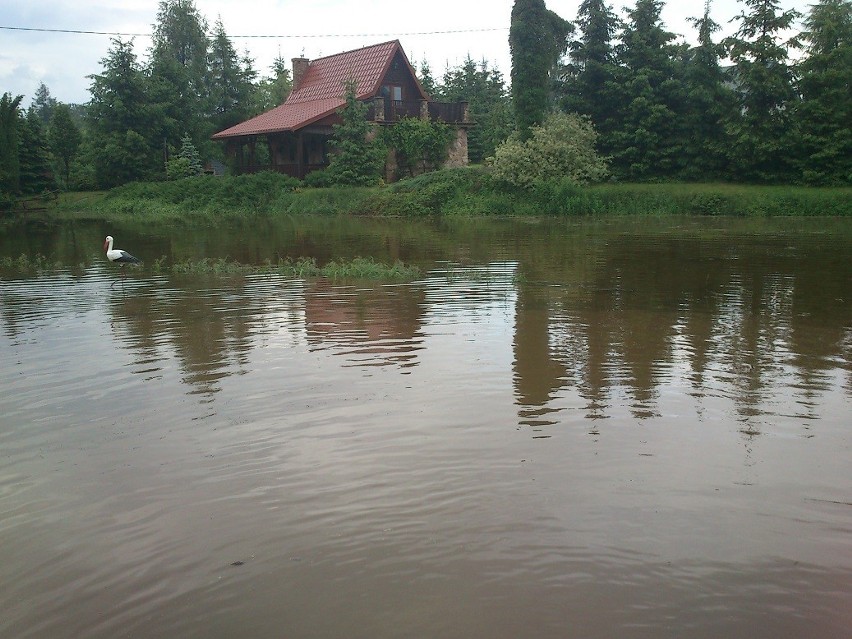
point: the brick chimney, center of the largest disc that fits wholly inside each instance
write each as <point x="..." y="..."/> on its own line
<point x="300" y="66"/>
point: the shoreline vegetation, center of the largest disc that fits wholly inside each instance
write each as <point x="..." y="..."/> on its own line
<point x="470" y="191"/>
<point x="358" y="268"/>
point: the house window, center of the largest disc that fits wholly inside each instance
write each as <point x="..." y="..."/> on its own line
<point x="392" y="91"/>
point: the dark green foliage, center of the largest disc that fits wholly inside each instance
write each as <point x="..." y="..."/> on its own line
<point x="272" y="91"/>
<point x="709" y="102"/>
<point x="424" y="76"/>
<point x="762" y="141"/>
<point x="203" y="196"/>
<point x="489" y="105"/>
<point x="178" y="70"/>
<point x="36" y="176"/>
<point x="10" y="167"/>
<point x="588" y="81"/>
<point x="647" y="141"/>
<point x="358" y="157"/>
<point x="44" y="104"/>
<point x="120" y="120"/>
<point x="122" y="158"/>
<point x="825" y="76"/>
<point x="64" y="137"/>
<point x="230" y="85"/>
<point x="420" y="145"/>
<point x="537" y="39"/>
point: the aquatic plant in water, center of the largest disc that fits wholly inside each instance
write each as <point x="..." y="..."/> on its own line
<point x="27" y="264"/>
<point x="303" y="267"/>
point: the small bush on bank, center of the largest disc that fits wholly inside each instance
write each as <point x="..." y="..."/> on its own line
<point x="561" y="149"/>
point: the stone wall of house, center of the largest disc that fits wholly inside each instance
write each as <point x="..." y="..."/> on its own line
<point x="457" y="153"/>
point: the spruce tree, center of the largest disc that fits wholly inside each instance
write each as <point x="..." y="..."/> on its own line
<point x="588" y="78"/>
<point x="120" y="120"/>
<point x="64" y="138"/>
<point x="43" y="103"/>
<point x="825" y="112"/>
<point x="10" y="169"/>
<point x="230" y="85"/>
<point x="708" y="103"/>
<point x="358" y="157"/>
<point x="178" y="72"/>
<point x="36" y="176"/>
<point x="762" y="141"/>
<point x="274" y="89"/>
<point x="647" y="142"/>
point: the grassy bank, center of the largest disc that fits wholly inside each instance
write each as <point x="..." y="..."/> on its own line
<point x="473" y="192"/>
<point x="465" y="192"/>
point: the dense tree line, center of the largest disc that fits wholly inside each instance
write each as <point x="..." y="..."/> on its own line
<point x="739" y="109"/>
<point x="759" y="106"/>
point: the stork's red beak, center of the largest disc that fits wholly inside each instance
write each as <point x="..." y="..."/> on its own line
<point x="105" y="245"/>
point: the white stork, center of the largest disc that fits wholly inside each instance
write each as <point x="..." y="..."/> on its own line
<point x="118" y="256"/>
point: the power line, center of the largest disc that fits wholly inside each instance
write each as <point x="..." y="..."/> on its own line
<point x="316" y="35"/>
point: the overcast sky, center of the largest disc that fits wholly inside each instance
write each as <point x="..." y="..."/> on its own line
<point x="441" y="32"/>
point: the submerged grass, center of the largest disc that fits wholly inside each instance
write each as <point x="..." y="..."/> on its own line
<point x="26" y="264"/>
<point x="359" y="268"/>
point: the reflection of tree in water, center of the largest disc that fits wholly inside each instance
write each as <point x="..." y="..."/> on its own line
<point x="209" y="330"/>
<point x="370" y="325"/>
<point x="638" y="312"/>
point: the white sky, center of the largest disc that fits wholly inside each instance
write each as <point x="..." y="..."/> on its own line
<point x="64" y="60"/>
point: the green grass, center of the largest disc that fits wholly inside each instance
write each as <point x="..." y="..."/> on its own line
<point x="716" y="199"/>
<point x="470" y="191"/>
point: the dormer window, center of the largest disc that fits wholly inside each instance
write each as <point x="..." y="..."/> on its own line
<point x="392" y="91"/>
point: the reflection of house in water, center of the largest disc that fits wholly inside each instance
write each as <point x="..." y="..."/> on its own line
<point x="373" y="326"/>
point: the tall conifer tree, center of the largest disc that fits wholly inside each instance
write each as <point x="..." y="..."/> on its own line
<point x="762" y="140"/>
<point x="178" y="71"/>
<point x="120" y="120"/>
<point x="649" y="137"/>
<point x="10" y="169"/>
<point x="589" y="76"/>
<point x="230" y="82"/>
<point x="708" y="104"/>
<point x="825" y="112"/>
<point x="537" y="39"/>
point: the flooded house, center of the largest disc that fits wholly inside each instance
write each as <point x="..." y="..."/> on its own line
<point x="297" y="133"/>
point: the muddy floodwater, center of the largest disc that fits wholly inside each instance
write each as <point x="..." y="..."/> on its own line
<point x="591" y="429"/>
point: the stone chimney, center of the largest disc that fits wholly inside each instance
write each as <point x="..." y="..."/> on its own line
<point x="300" y="67"/>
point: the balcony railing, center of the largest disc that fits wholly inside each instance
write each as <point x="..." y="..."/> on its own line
<point x="386" y="110"/>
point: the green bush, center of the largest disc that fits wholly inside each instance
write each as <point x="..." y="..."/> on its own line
<point x="563" y="148"/>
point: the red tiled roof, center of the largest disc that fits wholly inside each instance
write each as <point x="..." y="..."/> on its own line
<point x="322" y="89"/>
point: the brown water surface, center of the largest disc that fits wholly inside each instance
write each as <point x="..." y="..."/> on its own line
<point x="628" y="428"/>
